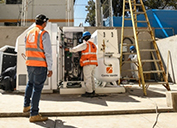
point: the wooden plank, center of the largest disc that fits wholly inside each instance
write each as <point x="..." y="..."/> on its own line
<point x="127" y="53"/>
<point x="128" y="44"/>
<point x="153" y="71"/>
<point x="122" y="37"/>
<point x="167" y="64"/>
<point x="156" y="66"/>
<point x="139" y="12"/>
<point x="127" y="10"/>
<point x="136" y="4"/>
<point x="141" y="21"/>
<point x="127" y="62"/>
<point x="129" y="36"/>
<point x="127" y="18"/>
<point x="143" y="30"/>
<point x="134" y="17"/>
<point x="149" y="61"/>
<point x="145" y="40"/>
<point x="147" y="50"/>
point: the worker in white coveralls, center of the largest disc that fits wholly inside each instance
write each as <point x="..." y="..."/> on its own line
<point x="134" y="66"/>
<point x="88" y="61"/>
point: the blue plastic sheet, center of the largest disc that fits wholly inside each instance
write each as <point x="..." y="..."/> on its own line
<point x="163" y="21"/>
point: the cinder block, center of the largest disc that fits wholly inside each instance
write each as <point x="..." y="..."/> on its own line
<point x="171" y="98"/>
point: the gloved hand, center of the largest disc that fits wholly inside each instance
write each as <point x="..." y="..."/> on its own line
<point x="63" y="46"/>
<point x="66" y="49"/>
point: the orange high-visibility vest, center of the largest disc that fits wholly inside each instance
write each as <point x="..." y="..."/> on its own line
<point x="34" y="47"/>
<point x="89" y="56"/>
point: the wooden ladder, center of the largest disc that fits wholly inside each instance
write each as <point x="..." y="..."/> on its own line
<point x="156" y="58"/>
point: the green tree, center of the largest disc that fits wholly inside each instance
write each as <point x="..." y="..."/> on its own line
<point x="90" y="18"/>
<point x="117" y="6"/>
<point x="160" y="4"/>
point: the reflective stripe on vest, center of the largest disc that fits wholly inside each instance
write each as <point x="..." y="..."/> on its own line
<point x="34" y="49"/>
<point x="35" y="53"/>
<point x="89" y="52"/>
<point x="38" y="49"/>
<point x="86" y="61"/>
<point x="89" y="56"/>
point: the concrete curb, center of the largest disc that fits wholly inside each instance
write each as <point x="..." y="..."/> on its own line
<point x="89" y="113"/>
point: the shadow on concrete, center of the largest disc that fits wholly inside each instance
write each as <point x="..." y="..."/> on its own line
<point x="139" y="92"/>
<point x="11" y="92"/>
<point x="99" y="100"/>
<point x="54" y="124"/>
<point x="163" y="89"/>
<point x="102" y="99"/>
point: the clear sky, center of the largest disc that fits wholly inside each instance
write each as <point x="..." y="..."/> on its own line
<point x="80" y="13"/>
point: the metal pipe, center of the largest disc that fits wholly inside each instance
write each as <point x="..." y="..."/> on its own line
<point x="104" y="54"/>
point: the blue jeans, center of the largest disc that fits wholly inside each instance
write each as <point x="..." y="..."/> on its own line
<point x="36" y="79"/>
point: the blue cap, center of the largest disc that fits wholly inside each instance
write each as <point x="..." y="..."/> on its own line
<point x="86" y="34"/>
<point x="132" y="47"/>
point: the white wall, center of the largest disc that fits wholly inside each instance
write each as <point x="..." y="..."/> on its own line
<point x="165" y="45"/>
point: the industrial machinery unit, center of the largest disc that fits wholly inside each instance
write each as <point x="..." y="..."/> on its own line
<point x="51" y="82"/>
<point x="8" y="57"/>
<point x="70" y="71"/>
<point x="106" y="73"/>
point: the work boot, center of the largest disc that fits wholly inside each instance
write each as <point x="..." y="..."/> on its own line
<point x="87" y="94"/>
<point x="37" y="118"/>
<point x="26" y="109"/>
<point x="93" y="92"/>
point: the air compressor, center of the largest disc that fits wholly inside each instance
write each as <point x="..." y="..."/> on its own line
<point x="107" y="73"/>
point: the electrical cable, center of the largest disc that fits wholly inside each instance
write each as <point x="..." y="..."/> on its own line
<point x="55" y="124"/>
<point x="157" y="116"/>
<point x="156" y="120"/>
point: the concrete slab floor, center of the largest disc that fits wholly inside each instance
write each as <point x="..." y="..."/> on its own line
<point x="132" y="99"/>
<point x="164" y="120"/>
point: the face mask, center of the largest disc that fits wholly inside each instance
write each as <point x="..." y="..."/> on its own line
<point x="131" y="52"/>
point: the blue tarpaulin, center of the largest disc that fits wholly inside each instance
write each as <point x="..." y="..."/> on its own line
<point x="164" y="22"/>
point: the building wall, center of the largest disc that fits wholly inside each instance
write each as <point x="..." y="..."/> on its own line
<point x="58" y="11"/>
<point x="9" y="34"/>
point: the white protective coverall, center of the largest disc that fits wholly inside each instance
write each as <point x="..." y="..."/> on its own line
<point x="133" y="58"/>
<point x="88" y="70"/>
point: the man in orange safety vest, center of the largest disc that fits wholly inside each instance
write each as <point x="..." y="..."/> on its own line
<point x="88" y="61"/>
<point x="39" y="66"/>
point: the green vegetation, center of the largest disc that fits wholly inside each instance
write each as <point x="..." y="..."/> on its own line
<point x="118" y="5"/>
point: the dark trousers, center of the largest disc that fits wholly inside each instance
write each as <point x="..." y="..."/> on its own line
<point x="36" y="79"/>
